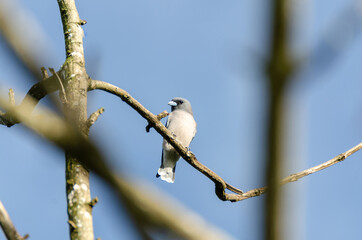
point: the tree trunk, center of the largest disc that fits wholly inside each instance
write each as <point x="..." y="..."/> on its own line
<point x="75" y="107"/>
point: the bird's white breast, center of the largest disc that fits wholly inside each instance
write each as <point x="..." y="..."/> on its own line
<point x="183" y="125"/>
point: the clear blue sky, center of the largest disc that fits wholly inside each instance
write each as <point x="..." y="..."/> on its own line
<point x="210" y="52"/>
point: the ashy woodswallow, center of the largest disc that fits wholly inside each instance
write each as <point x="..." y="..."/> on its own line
<point x="182" y="124"/>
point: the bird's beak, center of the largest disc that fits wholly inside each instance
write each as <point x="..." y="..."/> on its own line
<point x="172" y="103"/>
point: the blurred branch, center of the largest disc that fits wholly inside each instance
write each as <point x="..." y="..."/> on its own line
<point x="339" y="35"/>
<point x="29" y="55"/>
<point x="34" y="95"/>
<point x="279" y="69"/>
<point x="11" y="97"/>
<point x="140" y="201"/>
<point x="8" y="226"/>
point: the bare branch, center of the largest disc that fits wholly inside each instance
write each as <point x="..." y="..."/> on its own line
<point x="296" y="176"/>
<point x="8" y="226"/>
<point x="220" y="184"/>
<point x="34" y="95"/>
<point x="341" y="157"/>
<point x="93" y="118"/>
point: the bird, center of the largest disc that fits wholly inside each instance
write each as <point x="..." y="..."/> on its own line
<point x="182" y="125"/>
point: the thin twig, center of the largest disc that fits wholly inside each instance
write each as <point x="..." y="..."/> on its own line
<point x="5" y="118"/>
<point x="62" y="94"/>
<point x="93" y="118"/>
<point x="296" y="176"/>
<point x="93" y="202"/>
<point x="33" y="96"/>
<point x="159" y="117"/>
<point x="44" y="73"/>
<point x="8" y="226"/>
<point x="341" y="157"/>
<point x="11" y="97"/>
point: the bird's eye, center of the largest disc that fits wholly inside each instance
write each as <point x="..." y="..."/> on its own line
<point x="181" y="102"/>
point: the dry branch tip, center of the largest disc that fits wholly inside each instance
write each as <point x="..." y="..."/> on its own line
<point x="93" y="118"/>
<point x="44" y="73"/>
<point x="82" y="22"/>
<point x="93" y="202"/>
<point x="11" y="97"/>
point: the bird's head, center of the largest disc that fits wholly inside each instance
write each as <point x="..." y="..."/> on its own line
<point x="179" y="103"/>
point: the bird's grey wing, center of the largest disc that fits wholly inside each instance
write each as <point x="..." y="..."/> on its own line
<point x="167" y="124"/>
<point x="162" y="159"/>
<point x="168" y="121"/>
<point x="158" y="175"/>
<point x="194" y="133"/>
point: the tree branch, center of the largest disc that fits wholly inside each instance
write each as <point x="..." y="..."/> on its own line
<point x="34" y="95"/>
<point x="92" y="119"/>
<point x="28" y="55"/>
<point x="220" y="184"/>
<point x="341" y="157"/>
<point x="153" y="120"/>
<point x="8" y="226"/>
<point x="296" y="176"/>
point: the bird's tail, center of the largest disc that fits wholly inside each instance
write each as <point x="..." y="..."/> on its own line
<point x="167" y="174"/>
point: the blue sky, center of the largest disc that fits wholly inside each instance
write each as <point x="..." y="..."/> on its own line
<point x="210" y="52"/>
